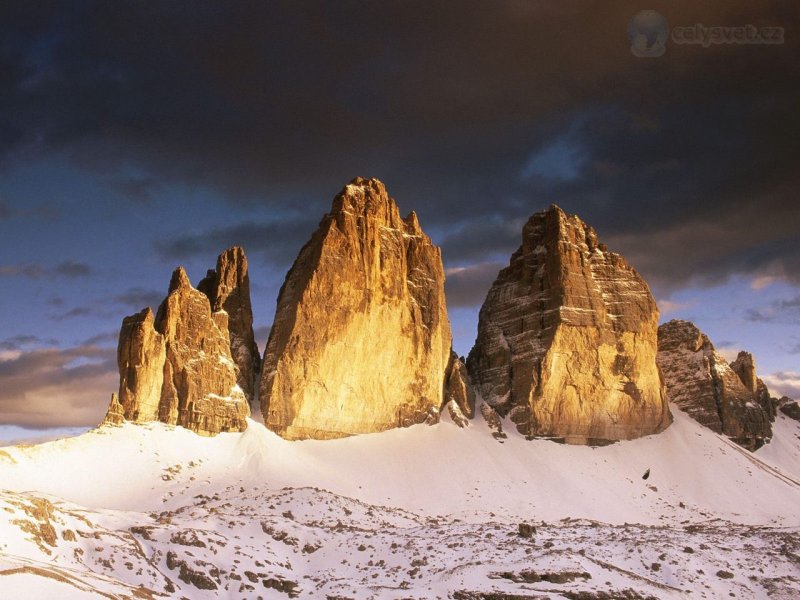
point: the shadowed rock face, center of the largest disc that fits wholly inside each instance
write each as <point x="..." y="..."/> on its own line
<point x="745" y="367"/>
<point x="228" y="289"/>
<point x="361" y="341"/>
<point x="177" y="368"/>
<point x="704" y="385"/>
<point x="566" y="340"/>
<point x="459" y="395"/>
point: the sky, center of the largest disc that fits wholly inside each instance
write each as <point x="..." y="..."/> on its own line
<point x="138" y="136"/>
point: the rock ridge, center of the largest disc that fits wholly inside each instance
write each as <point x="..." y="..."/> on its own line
<point x="726" y="398"/>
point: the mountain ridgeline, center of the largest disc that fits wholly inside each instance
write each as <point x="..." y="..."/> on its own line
<point x="568" y="344"/>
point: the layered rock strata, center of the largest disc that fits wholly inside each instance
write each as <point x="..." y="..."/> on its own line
<point x="361" y="341"/>
<point x="177" y="367"/>
<point x="702" y="383"/>
<point x="566" y="340"/>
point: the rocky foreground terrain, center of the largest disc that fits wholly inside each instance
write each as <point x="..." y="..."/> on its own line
<point x="152" y="511"/>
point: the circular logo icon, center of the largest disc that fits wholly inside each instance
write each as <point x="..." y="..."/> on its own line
<point x="648" y="32"/>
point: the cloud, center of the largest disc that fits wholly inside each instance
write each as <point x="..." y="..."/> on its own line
<point x="542" y="89"/>
<point x="50" y="387"/>
<point x="468" y="286"/>
<point x="101" y="339"/>
<point x="138" y="297"/>
<point x="32" y="271"/>
<point x="668" y="307"/>
<point x="489" y="237"/>
<point x="17" y="342"/>
<point x="782" y="311"/>
<point x="72" y="269"/>
<point x="5" y="210"/>
<point x="136" y="189"/>
<point x="78" y="311"/>
<point x="783" y="383"/>
<point x="278" y="241"/>
<point x="68" y="269"/>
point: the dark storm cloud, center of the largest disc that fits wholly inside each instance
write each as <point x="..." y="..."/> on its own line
<point x="468" y="286"/>
<point x="278" y="241"/>
<point x="475" y="117"/>
<point x="52" y="387"/>
<point x="135" y="189"/>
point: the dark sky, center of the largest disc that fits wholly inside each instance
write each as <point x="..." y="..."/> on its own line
<point x="135" y="136"/>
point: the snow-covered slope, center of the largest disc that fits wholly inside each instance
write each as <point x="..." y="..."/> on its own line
<point x="424" y="512"/>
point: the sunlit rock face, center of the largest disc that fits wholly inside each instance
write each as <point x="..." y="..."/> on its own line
<point x="566" y="342"/>
<point x="361" y="341"/>
<point x="228" y="289"/>
<point x="177" y="367"/>
<point x="703" y="384"/>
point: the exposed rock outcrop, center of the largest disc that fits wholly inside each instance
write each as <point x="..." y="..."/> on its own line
<point x="789" y="407"/>
<point x="141" y="354"/>
<point x="702" y="383"/>
<point x="115" y="415"/>
<point x="459" y="396"/>
<point x="566" y="340"/>
<point x="361" y="341"/>
<point x="745" y="367"/>
<point x="177" y="367"/>
<point x="228" y="289"/>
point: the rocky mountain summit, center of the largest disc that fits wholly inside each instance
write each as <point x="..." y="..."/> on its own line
<point x="361" y="340"/>
<point x="726" y="398"/>
<point x="567" y="339"/>
<point x="228" y="289"/>
<point x="177" y="367"/>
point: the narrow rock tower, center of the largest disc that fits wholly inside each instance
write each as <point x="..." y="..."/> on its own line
<point x="361" y="341"/>
<point x="228" y="289"/>
<point x="567" y="339"/>
<point x="177" y="367"/>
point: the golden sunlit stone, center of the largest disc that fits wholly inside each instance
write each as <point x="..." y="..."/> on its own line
<point x="567" y="339"/>
<point x="361" y="341"/>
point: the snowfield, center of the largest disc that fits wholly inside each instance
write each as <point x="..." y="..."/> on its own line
<point x="151" y="511"/>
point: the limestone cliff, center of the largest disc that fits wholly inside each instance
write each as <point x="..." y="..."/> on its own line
<point x="177" y="368"/>
<point x="228" y="289"/>
<point x="566" y="340"/>
<point x="702" y="383"/>
<point x="360" y="341"/>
